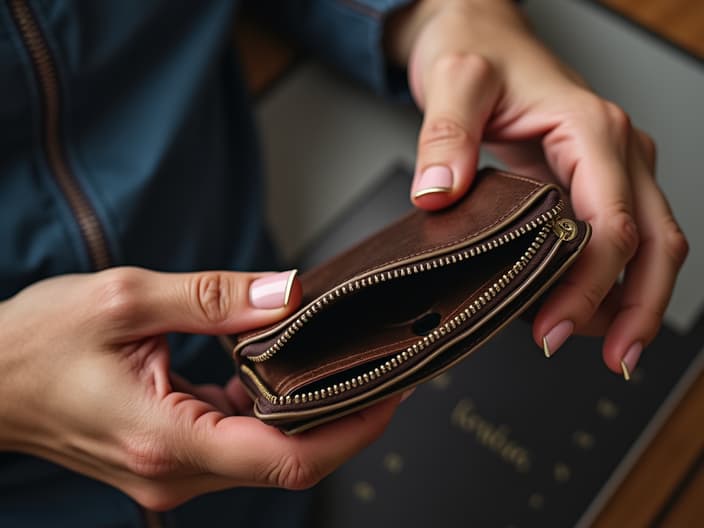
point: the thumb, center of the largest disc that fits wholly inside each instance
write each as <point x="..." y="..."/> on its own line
<point x="459" y="96"/>
<point x="211" y="302"/>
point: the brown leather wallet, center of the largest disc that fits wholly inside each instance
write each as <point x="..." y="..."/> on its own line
<point x="410" y="301"/>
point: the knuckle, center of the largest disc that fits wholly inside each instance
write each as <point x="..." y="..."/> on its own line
<point x="589" y="103"/>
<point x="608" y="118"/>
<point x="213" y="294"/>
<point x="591" y="296"/>
<point x="291" y="472"/>
<point x="148" y="459"/>
<point x="444" y="132"/>
<point x="622" y="232"/>
<point x="461" y="67"/>
<point x="118" y="293"/>
<point x="616" y="117"/>
<point x="649" y="146"/>
<point x="676" y="244"/>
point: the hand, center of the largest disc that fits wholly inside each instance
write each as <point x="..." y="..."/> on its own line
<point x="86" y="383"/>
<point x="480" y="75"/>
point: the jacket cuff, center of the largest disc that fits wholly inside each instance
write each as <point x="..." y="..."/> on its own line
<point x="361" y="45"/>
<point x="347" y="34"/>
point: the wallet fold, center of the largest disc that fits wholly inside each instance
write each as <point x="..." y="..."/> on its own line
<point x="410" y="301"/>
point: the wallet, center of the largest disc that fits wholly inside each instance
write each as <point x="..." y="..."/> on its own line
<point x="410" y="301"/>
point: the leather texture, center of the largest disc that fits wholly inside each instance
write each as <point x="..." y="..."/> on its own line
<point x="410" y="301"/>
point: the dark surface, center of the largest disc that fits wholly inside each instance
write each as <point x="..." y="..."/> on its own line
<point x="506" y="438"/>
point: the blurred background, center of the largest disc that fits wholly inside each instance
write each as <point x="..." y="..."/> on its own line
<point x="507" y="438"/>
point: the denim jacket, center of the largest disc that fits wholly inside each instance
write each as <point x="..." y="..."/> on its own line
<point x="126" y="138"/>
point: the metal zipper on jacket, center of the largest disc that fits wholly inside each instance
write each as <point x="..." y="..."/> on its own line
<point x="564" y="228"/>
<point x="45" y="70"/>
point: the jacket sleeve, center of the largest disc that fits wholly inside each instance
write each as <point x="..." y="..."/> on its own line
<point x="347" y="34"/>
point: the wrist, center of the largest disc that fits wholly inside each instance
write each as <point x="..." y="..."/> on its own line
<point x="405" y="25"/>
<point x="20" y="381"/>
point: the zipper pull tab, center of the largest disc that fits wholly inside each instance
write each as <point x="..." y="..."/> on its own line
<point x="565" y="229"/>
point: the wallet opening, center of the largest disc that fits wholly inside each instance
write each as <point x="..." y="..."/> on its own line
<point x="382" y="321"/>
<point x="410" y="301"/>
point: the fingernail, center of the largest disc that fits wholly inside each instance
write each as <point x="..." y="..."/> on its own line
<point x="630" y="360"/>
<point x="272" y="291"/>
<point x="555" y="338"/>
<point x="435" y="179"/>
<point x="407" y="394"/>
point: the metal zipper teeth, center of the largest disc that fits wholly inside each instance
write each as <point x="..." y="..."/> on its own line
<point x="87" y="221"/>
<point x="402" y="357"/>
<point x="411" y="269"/>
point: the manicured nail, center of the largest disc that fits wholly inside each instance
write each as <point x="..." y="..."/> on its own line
<point x="555" y="338"/>
<point x="435" y="179"/>
<point x="630" y="360"/>
<point x="407" y="394"/>
<point x="272" y="291"/>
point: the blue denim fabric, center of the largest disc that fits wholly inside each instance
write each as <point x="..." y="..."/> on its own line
<point x="157" y="130"/>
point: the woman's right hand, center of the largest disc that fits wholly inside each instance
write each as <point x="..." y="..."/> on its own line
<point x="481" y="76"/>
<point x="86" y="383"/>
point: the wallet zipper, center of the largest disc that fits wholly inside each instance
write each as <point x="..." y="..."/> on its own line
<point x="564" y="228"/>
<point x="547" y="217"/>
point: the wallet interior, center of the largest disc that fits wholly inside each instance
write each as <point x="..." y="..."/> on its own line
<point x="361" y="331"/>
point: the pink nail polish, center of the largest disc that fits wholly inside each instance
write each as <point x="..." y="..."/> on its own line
<point x="435" y="179"/>
<point x="556" y="337"/>
<point x="630" y="359"/>
<point x="272" y="291"/>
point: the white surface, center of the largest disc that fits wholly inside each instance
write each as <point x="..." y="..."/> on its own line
<point x="325" y="141"/>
